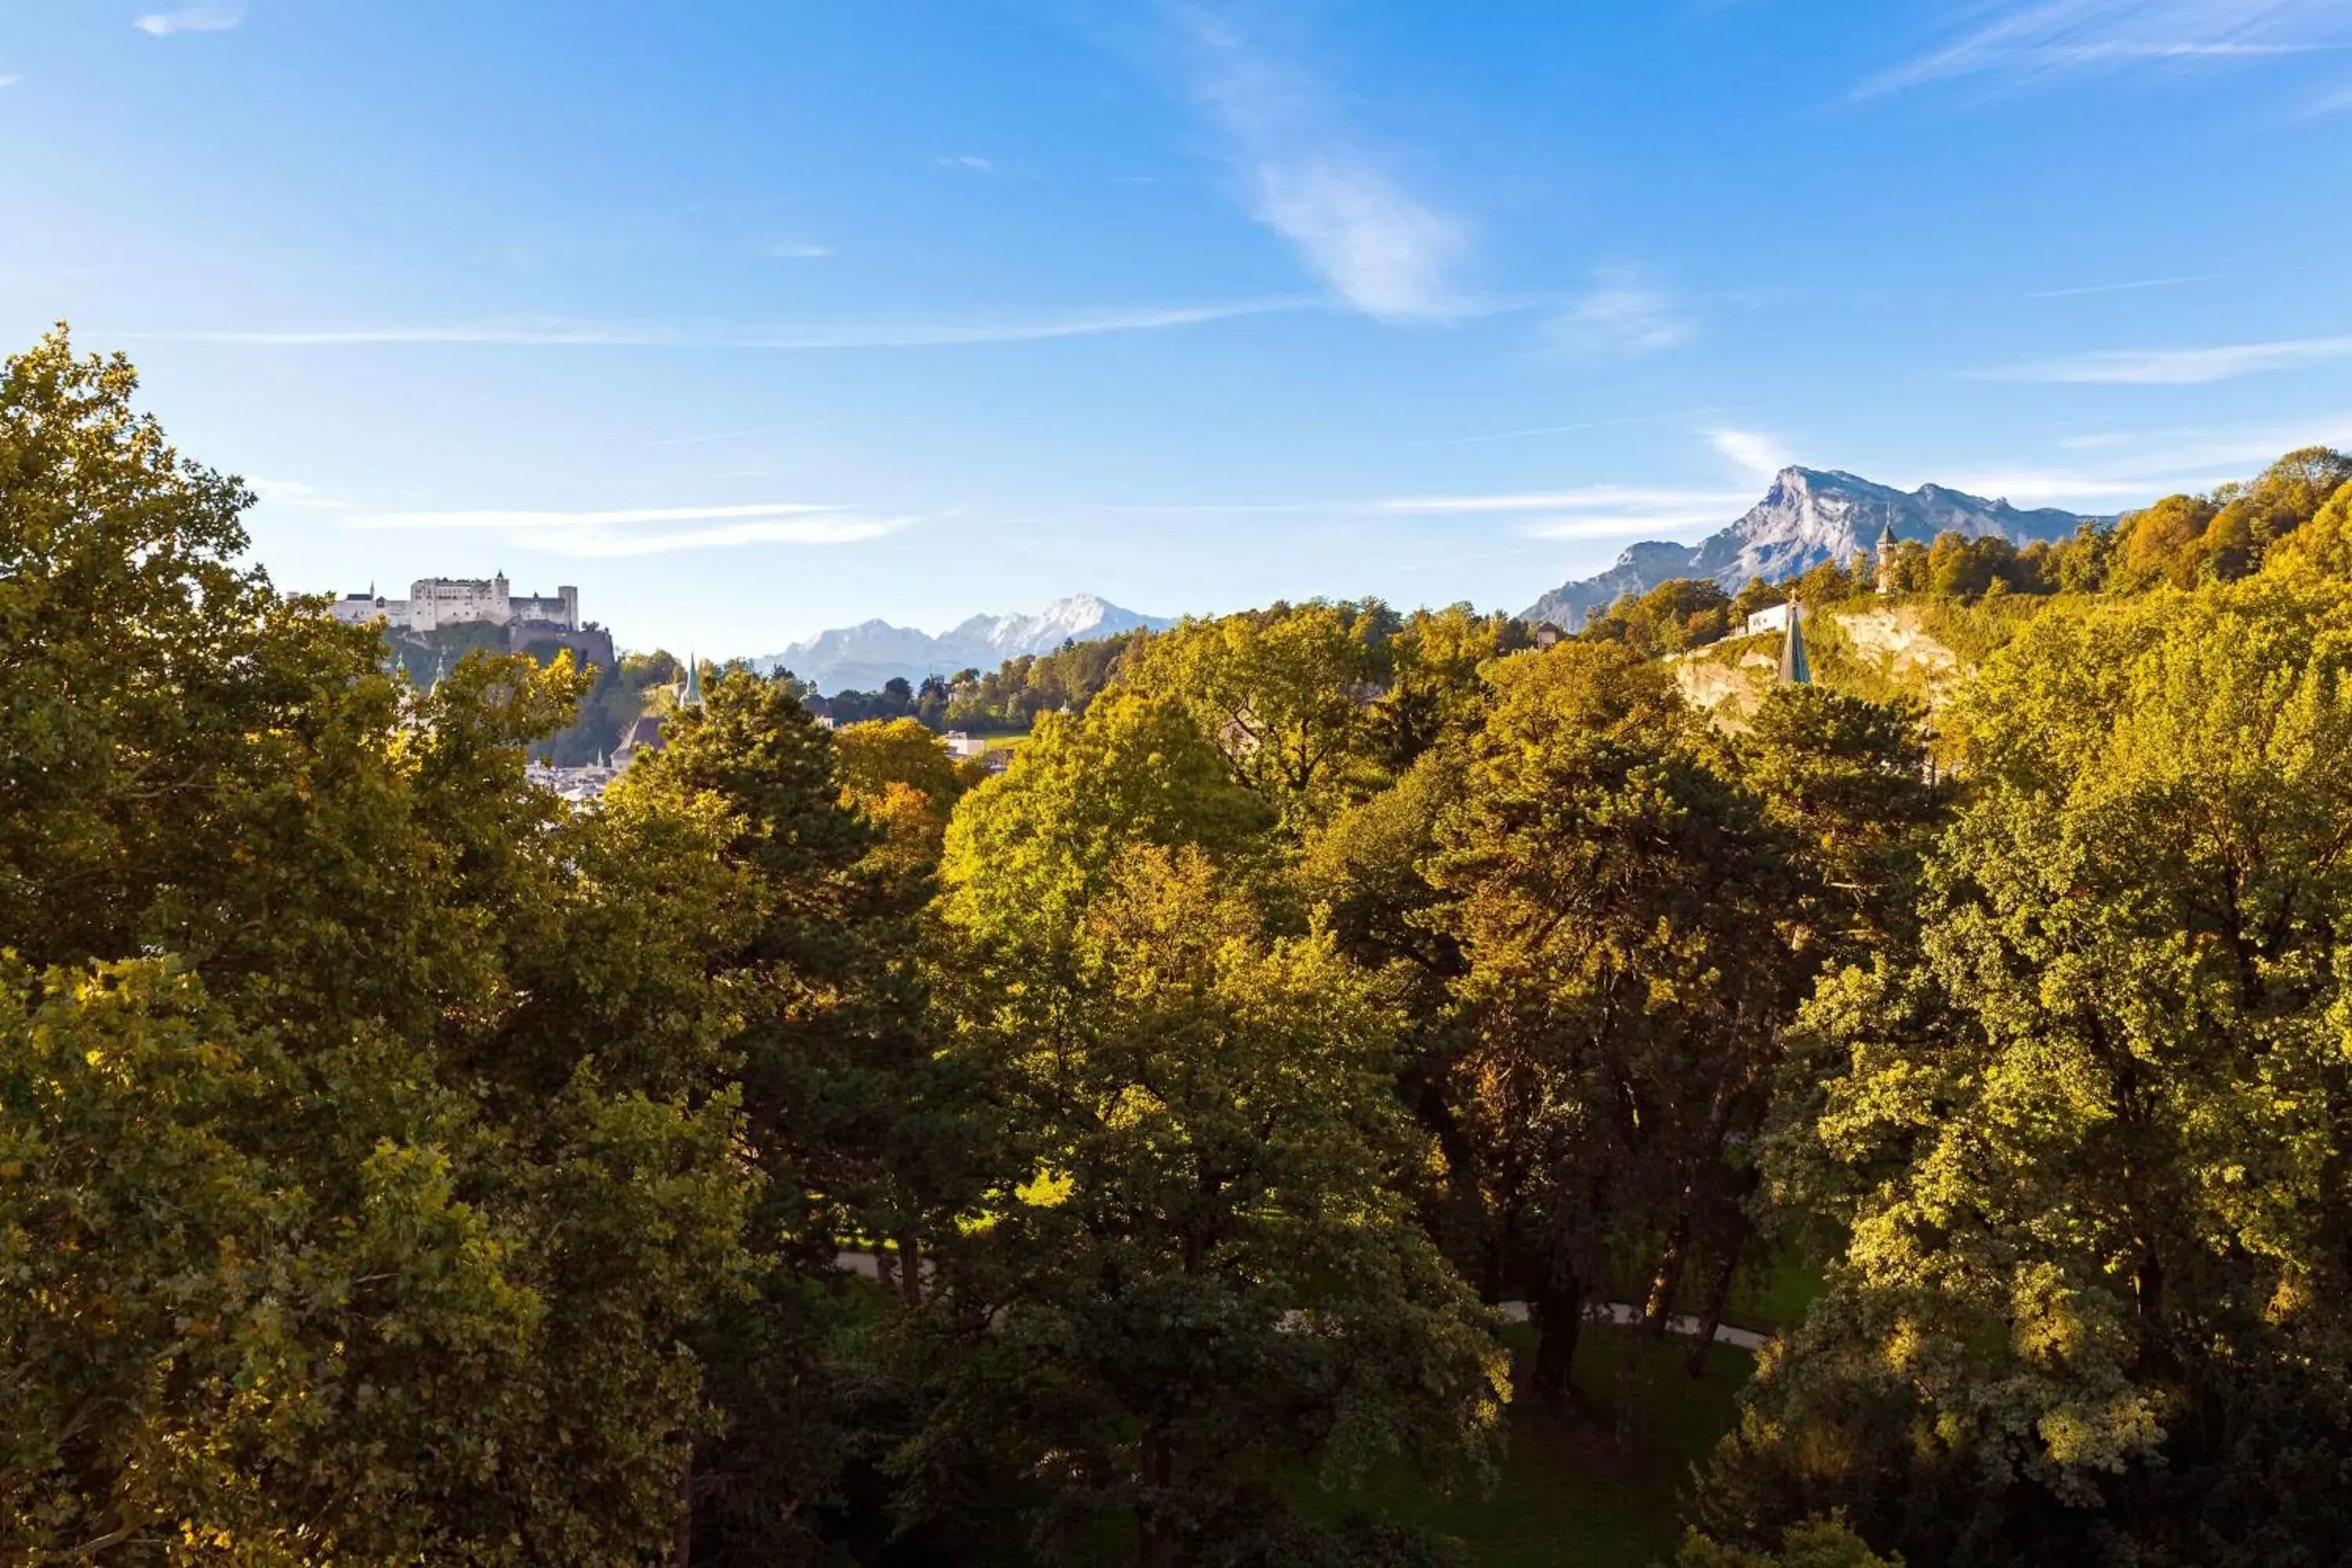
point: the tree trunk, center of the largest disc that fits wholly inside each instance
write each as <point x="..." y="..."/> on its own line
<point x="1718" y="1302"/>
<point x="1666" y="1279"/>
<point x="910" y="1269"/>
<point x="1557" y="1309"/>
<point x="1162" y="1546"/>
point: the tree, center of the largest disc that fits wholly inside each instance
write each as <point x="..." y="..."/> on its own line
<point x="1817" y="1543"/>
<point x="338" y="1215"/>
<point x="1617" y="902"/>
<point x="1436" y="684"/>
<point x="1029" y="851"/>
<point x="1198" y="1275"/>
<point x="851" y="1116"/>
<point x="901" y="778"/>
<point x="1283" y="695"/>
<point x="2087" y="1134"/>
<point x="1683" y="613"/>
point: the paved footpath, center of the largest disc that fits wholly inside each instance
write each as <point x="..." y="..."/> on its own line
<point x="1622" y="1313"/>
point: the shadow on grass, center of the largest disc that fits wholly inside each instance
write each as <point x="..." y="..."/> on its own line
<point x="1595" y="1486"/>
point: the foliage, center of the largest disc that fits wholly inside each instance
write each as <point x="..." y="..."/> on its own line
<point x="1010" y="698"/>
<point x="898" y="777"/>
<point x="1285" y="696"/>
<point x="1030" y="850"/>
<point x="2087" y="1134"/>
<point x="1204" y="1273"/>
<point x="1817" y="1543"/>
<point x="356" y="1184"/>
<point x="1619" y="904"/>
<point x="1683" y="613"/>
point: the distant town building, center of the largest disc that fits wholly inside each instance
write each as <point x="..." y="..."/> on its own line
<point x="436" y="602"/>
<point x="963" y="747"/>
<point x="580" y="785"/>
<point x="1774" y="618"/>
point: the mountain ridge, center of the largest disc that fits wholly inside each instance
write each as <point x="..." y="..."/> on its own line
<point x="1807" y="517"/>
<point x="865" y="656"/>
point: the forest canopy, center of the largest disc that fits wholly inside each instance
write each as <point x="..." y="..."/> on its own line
<point x="1340" y="1037"/>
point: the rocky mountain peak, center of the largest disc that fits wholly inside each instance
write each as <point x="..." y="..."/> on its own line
<point x="1806" y="516"/>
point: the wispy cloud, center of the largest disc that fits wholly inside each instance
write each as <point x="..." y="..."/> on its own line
<point x="1758" y="456"/>
<point x="2177" y="367"/>
<point x="623" y="517"/>
<point x="2022" y="40"/>
<point x="1352" y="224"/>
<point x="1623" y="318"/>
<point x="1591" y="497"/>
<point x="2126" y="288"/>
<point x="970" y="162"/>
<point x="797" y="250"/>
<point x="291" y="492"/>
<point x="2066" y="487"/>
<point x="650" y="530"/>
<point x="9" y="81"/>
<point x="817" y="532"/>
<point x="850" y="335"/>
<point x="1594" y="511"/>
<point x="1629" y="525"/>
<point x="190" y="20"/>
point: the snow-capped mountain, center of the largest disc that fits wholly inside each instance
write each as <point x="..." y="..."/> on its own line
<point x="1807" y="517"/>
<point x="862" y="657"/>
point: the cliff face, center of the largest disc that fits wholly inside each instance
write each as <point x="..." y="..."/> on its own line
<point x="1809" y="516"/>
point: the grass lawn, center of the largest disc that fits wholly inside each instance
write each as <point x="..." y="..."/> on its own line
<point x="1776" y="1298"/>
<point x="1571" y="1496"/>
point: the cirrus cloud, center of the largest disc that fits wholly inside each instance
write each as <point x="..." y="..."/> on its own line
<point x="189" y="20"/>
<point x="1353" y="224"/>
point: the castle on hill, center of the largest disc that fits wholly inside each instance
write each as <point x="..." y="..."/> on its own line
<point x="436" y="602"/>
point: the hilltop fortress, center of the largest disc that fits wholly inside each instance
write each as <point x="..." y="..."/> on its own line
<point x="444" y="617"/>
<point x="436" y="602"/>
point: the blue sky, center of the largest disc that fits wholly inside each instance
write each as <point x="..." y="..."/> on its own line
<point x="755" y="319"/>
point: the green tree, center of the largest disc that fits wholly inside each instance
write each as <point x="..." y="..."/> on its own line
<point x="1028" y="851"/>
<point x="1199" y="1276"/>
<point x="339" y="1219"/>
<point x="2087" y="1135"/>
<point x="1285" y="695"/>
<point x="1618" y="904"/>
<point x="1818" y="1543"/>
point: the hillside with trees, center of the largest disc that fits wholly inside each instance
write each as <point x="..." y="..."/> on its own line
<point x="1362" y="1087"/>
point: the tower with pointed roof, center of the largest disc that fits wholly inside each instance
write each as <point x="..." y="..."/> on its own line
<point x="692" y="696"/>
<point x="1887" y="557"/>
<point x="1796" y="668"/>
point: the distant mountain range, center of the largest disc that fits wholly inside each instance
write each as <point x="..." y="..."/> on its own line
<point x="1807" y="517"/>
<point x="863" y="657"/>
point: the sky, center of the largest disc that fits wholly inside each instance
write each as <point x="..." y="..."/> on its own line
<point x="755" y="319"/>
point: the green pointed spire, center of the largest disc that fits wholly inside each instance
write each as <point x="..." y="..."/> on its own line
<point x="693" y="698"/>
<point x="1796" y="670"/>
<point x="440" y="672"/>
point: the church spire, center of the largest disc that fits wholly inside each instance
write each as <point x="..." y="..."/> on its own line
<point x="693" y="697"/>
<point x="1796" y="668"/>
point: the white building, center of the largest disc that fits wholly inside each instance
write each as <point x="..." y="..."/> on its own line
<point x="436" y="602"/>
<point x="1774" y="619"/>
<point x="963" y="747"/>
